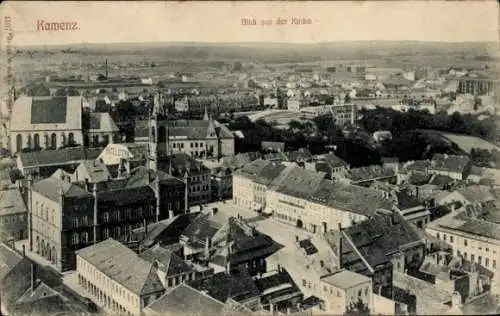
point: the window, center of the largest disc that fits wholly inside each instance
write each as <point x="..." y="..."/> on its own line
<point x="437" y="236"/>
<point x="444" y="237"/>
<point x="75" y="221"/>
<point x="465" y="242"/>
<point x="105" y="233"/>
<point x="487" y="249"/>
<point x="479" y="260"/>
<point x="366" y="291"/>
<point x="191" y="145"/>
<point x="494" y="264"/>
<point x="486" y="262"/>
<point x="451" y="238"/>
<point x="105" y="217"/>
<point x="325" y="288"/>
<point x="304" y="282"/>
<point x="84" y="238"/>
<point x="359" y="293"/>
<point x="472" y="258"/>
<point x="74" y="239"/>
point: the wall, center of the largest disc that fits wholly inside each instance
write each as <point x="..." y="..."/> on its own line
<point x="61" y="138"/>
<point x="382" y="306"/>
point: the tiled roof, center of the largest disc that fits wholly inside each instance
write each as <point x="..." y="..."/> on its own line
<point x="477" y="194"/>
<point x="41" y="291"/>
<point x="168" y="261"/>
<point x="185" y="300"/>
<point x="122" y="265"/>
<point x="47" y="113"/>
<point x="58" y="156"/>
<point x="334" y="161"/>
<point x="102" y="122"/>
<point x="142" y="176"/>
<point x="369" y="172"/>
<point x="418" y="178"/>
<point x="8" y="259"/>
<point x="181" y="163"/>
<point x="223" y="286"/>
<point x="11" y="202"/>
<point x="299" y="155"/>
<point x="52" y="188"/>
<point x="262" y="171"/>
<point x="127" y="196"/>
<point x="301" y="182"/>
<point x="351" y="198"/>
<point x="96" y="170"/>
<point x="345" y="279"/>
<point x="240" y="160"/>
<point x="441" y="180"/>
<point x="406" y="201"/>
<point x="375" y="238"/>
<point x="451" y="163"/>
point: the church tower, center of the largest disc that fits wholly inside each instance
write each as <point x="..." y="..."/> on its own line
<point x="153" y="134"/>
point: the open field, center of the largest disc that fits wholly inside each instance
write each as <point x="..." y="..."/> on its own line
<point x="466" y="143"/>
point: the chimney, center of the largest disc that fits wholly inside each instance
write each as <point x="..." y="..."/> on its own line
<point x="145" y="227"/>
<point x="271" y="308"/>
<point x="87" y="187"/>
<point x="24" y="250"/>
<point x="339" y="246"/>
<point x="288" y="311"/>
<point x="157" y="191"/>
<point x="170" y="214"/>
<point x="30" y="212"/>
<point x="94" y="193"/>
<point x="207" y="248"/>
<point x="186" y="190"/>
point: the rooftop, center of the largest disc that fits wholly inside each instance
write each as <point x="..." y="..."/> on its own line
<point x="185" y="300"/>
<point x="345" y="279"/>
<point x="369" y="173"/>
<point x="168" y="262"/>
<point x="9" y="258"/>
<point x="351" y="198"/>
<point x="122" y="265"/>
<point x="11" y="202"/>
<point x="451" y="163"/>
<point x="58" y="156"/>
<point x="300" y="182"/>
<point x="102" y="122"/>
<point x="53" y="188"/>
<point x="222" y="286"/>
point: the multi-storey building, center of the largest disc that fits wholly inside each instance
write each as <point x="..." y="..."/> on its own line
<point x="65" y="216"/>
<point x="251" y="183"/>
<point x="45" y="123"/>
<point x="13" y="215"/>
<point x="472" y="235"/>
<point x="343" y="289"/>
<point x="117" y="278"/>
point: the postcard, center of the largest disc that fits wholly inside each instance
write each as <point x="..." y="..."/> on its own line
<point x="249" y="158"/>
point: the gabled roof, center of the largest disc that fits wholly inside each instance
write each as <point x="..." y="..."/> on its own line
<point x="369" y="173"/>
<point x="205" y="226"/>
<point x="95" y="170"/>
<point x="123" y="265"/>
<point x="452" y="163"/>
<point x="477" y="194"/>
<point x="58" y="156"/>
<point x="103" y="123"/>
<point x="53" y="187"/>
<point x="375" y="239"/>
<point x="182" y="163"/>
<point x="11" y="202"/>
<point x="9" y="259"/>
<point x="142" y="176"/>
<point x="333" y="161"/>
<point x="168" y="261"/>
<point x="223" y="286"/>
<point x="345" y="279"/>
<point x="300" y="182"/>
<point x="185" y="300"/>
<point x="127" y="195"/>
<point x="351" y="198"/>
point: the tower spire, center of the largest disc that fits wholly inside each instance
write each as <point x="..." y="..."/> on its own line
<point x="205" y="115"/>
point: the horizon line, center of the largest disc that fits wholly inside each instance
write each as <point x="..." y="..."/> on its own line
<point x="264" y="42"/>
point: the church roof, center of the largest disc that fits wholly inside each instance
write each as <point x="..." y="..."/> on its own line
<point x="47" y="113"/>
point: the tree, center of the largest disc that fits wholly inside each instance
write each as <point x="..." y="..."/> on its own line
<point x="237" y="66"/>
<point x="67" y="92"/>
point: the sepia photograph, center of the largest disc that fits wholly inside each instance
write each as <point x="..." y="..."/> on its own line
<point x="225" y="158"/>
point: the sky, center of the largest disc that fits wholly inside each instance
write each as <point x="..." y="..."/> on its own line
<point x="136" y="22"/>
